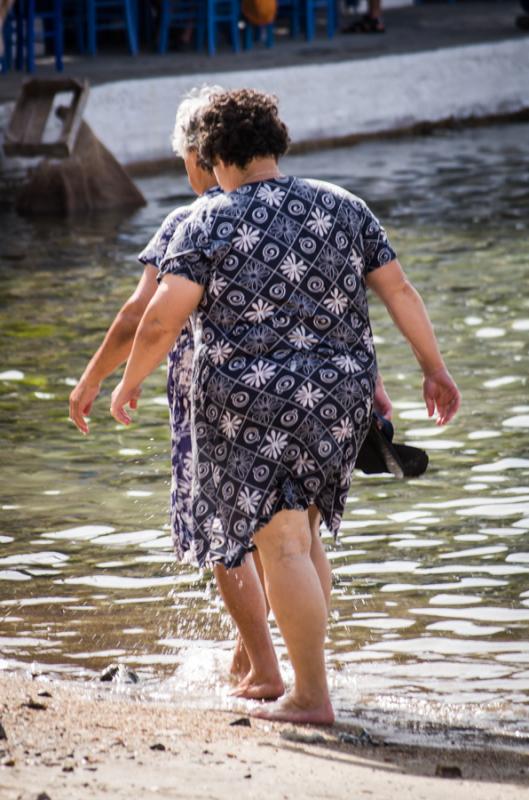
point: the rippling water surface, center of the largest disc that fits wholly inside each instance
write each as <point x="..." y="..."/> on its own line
<point x="431" y="596"/>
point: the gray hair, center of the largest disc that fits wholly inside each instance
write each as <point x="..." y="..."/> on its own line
<point x="185" y="133"/>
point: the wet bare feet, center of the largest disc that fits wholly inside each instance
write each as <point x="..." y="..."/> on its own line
<point x="255" y="687"/>
<point x="289" y="710"/>
<point x="240" y="664"/>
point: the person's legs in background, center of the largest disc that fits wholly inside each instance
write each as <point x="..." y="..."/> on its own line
<point x="523" y="20"/>
<point x="371" y="22"/>
<point x="255" y="661"/>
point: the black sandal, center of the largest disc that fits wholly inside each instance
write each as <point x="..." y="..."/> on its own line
<point x="365" y="24"/>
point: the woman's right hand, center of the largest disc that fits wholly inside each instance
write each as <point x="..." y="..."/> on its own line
<point x="441" y="393"/>
<point x="81" y="401"/>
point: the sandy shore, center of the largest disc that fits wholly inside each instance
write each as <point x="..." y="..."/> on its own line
<point x="70" y="743"/>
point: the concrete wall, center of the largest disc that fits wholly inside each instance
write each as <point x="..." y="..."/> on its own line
<point x="134" y="118"/>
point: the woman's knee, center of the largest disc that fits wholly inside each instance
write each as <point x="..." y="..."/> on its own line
<point x="288" y="534"/>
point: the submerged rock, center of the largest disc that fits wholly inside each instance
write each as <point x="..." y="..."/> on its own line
<point x="119" y="673"/>
<point x="448" y="771"/>
<point x="362" y="739"/>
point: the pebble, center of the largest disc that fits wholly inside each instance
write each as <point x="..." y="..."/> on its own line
<point x="34" y="705"/>
<point x="3" y="734"/>
<point x="244" y="722"/>
<point x="157" y="746"/>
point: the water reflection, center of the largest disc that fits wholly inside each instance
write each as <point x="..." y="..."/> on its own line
<point x="430" y="602"/>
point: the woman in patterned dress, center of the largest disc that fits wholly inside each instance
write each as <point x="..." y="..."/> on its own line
<point x="276" y="269"/>
<point x="263" y="679"/>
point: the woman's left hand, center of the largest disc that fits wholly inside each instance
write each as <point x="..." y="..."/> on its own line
<point x="440" y="392"/>
<point x="121" y="396"/>
<point x="382" y="401"/>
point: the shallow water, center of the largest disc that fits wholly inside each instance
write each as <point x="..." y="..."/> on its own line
<point x="431" y="597"/>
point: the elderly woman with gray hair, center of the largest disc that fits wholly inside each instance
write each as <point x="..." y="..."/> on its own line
<point x="261" y="679"/>
<point x="277" y="268"/>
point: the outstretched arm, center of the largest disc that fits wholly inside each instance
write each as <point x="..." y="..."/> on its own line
<point x="409" y="314"/>
<point x="164" y="318"/>
<point x="114" y="349"/>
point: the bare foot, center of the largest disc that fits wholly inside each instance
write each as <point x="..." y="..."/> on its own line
<point x="288" y="710"/>
<point x="252" y="687"/>
<point x="240" y="663"/>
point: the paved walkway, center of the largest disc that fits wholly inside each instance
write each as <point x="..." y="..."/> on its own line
<point x="413" y="29"/>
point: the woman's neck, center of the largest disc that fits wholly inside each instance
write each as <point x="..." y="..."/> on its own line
<point x="231" y="177"/>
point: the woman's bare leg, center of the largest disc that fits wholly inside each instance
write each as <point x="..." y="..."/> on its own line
<point x="299" y="605"/>
<point x="319" y="556"/>
<point x="241" y="663"/>
<point x="245" y="600"/>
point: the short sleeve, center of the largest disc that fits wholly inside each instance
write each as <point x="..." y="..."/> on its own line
<point x="188" y="254"/>
<point x="155" y="250"/>
<point x="377" y="250"/>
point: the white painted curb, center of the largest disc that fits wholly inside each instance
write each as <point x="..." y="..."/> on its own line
<point x="319" y="101"/>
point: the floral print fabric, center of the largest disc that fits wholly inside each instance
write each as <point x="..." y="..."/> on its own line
<point x="284" y="377"/>
<point x="179" y="377"/>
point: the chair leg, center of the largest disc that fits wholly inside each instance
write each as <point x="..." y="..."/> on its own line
<point x="310" y="24"/>
<point x="91" y="44"/>
<point x="331" y="18"/>
<point x="20" y="36"/>
<point x="131" y="27"/>
<point x="210" y="27"/>
<point x="248" y="36"/>
<point x="7" y="36"/>
<point x="163" y="36"/>
<point x="201" y="24"/>
<point x="30" y="36"/>
<point x="294" y="20"/>
<point x="270" y="35"/>
<point x="58" y="34"/>
<point x="234" y="27"/>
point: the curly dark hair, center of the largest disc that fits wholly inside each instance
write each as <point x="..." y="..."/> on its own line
<point x="240" y="125"/>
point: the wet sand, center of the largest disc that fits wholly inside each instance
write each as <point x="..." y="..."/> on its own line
<point x="80" y="742"/>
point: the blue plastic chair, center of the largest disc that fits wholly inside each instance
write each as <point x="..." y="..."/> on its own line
<point x="258" y="33"/>
<point x="104" y="15"/>
<point x="222" y="12"/>
<point x="205" y="16"/>
<point x="311" y="7"/>
<point x="19" y="31"/>
<point x="52" y="19"/>
<point x="292" y="10"/>
<point x="181" y="14"/>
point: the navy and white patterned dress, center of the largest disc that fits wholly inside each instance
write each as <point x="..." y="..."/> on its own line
<point x="284" y="377"/>
<point x="179" y="378"/>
